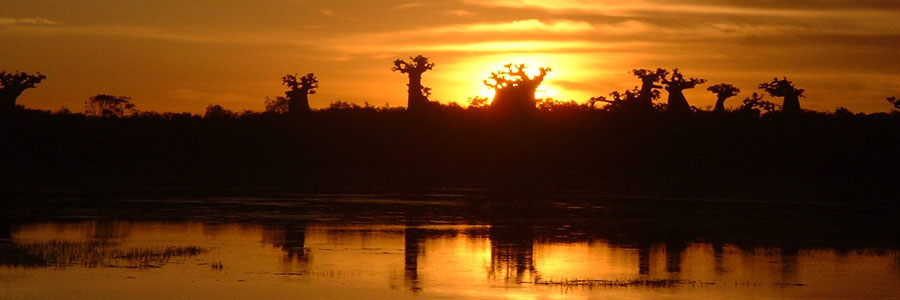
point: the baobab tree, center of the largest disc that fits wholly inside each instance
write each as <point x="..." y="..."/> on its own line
<point x="675" y="86"/>
<point x="648" y="92"/>
<point x="418" y="94"/>
<point x="298" y="96"/>
<point x="513" y="88"/>
<point x="723" y="91"/>
<point x="784" y="88"/>
<point x="13" y="84"/>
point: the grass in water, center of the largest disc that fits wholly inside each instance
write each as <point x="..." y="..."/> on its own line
<point x="657" y="283"/>
<point x="91" y="254"/>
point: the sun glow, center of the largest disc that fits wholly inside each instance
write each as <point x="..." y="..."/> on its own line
<point x="468" y="75"/>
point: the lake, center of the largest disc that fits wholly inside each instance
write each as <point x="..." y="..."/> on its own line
<point x="447" y="245"/>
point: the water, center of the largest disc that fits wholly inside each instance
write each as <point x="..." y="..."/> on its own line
<point x="448" y="246"/>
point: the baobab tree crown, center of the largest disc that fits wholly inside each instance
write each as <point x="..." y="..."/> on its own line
<point x="307" y="84"/>
<point x="724" y="90"/>
<point x="513" y="88"/>
<point x="650" y="77"/>
<point x="515" y="75"/>
<point x="678" y="83"/>
<point x="415" y="67"/>
<point x="781" y="88"/>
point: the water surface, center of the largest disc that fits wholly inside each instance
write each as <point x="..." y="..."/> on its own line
<point x="447" y="247"/>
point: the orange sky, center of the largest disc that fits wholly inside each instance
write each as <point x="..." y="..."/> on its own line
<point x="172" y="55"/>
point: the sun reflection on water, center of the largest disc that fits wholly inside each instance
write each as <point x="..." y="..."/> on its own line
<point x="436" y="261"/>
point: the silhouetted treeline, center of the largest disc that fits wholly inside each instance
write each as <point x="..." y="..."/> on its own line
<point x="560" y="145"/>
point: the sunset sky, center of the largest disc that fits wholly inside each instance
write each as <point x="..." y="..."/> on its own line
<point x="176" y="55"/>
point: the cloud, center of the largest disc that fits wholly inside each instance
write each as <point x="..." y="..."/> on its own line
<point x="408" y="5"/>
<point x="520" y="35"/>
<point x="532" y="35"/>
<point x="531" y="25"/>
<point x="326" y="12"/>
<point x="176" y="35"/>
<point x="26" y="21"/>
<point x="488" y="37"/>
<point x="460" y="12"/>
<point x="734" y="7"/>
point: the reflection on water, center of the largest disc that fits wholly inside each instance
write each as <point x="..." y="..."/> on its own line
<point x="290" y="238"/>
<point x="502" y="260"/>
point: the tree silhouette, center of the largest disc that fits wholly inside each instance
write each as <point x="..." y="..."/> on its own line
<point x="218" y="112"/>
<point x="513" y="88"/>
<point x="648" y="91"/>
<point x="109" y="106"/>
<point x="279" y="105"/>
<point x="895" y="101"/>
<point x="675" y="85"/>
<point x="755" y="102"/>
<point x="621" y="101"/>
<point x="13" y="84"/>
<point x="592" y="103"/>
<point x="298" y="96"/>
<point x="723" y="91"/>
<point x="478" y="102"/>
<point x="418" y="94"/>
<point x="784" y="88"/>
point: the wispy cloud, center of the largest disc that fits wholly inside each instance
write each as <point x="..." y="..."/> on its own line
<point x="735" y="7"/>
<point x="409" y="5"/>
<point x="152" y="33"/>
<point x="460" y="12"/>
<point x="521" y="35"/>
<point x="26" y="21"/>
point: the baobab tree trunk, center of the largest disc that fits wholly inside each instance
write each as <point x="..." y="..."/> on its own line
<point x="720" y="105"/>
<point x="298" y="101"/>
<point x="298" y="105"/>
<point x="678" y="103"/>
<point x="8" y="98"/>
<point x="515" y="99"/>
<point x="416" y="101"/>
<point x="7" y="104"/>
<point x="645" y="99"/>
<point x="791" y="104"/>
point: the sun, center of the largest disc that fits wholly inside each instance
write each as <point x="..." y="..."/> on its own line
<point x="532" y="69"/>
<point x="463" y="77"/>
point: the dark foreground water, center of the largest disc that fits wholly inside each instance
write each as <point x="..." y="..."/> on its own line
<point x="471" y="245"/>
